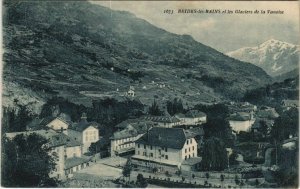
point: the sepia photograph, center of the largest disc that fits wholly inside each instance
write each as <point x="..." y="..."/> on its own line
<point x="149" y="94"/>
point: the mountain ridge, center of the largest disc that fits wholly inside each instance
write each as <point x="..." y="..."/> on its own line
<point x="62" y="49"/>
<point x="274" y="56"/>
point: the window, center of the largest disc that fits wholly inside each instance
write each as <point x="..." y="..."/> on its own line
<point x="166" y="149"/>
<point x="189" y="149"/>
<point x="151" y="147"/>
<point x="144" y="154"/>
<point x="138" y="145"/>
<point x="189" y="156"/>
<point x="151" y="154"/>
<point x="185" y="157"/>
<point x="193" y="148"/>
<point x="166" y="156"/>
<point x="144" y="146"/>
<point x="187" y="142"/>
<point x="185" y="150"/>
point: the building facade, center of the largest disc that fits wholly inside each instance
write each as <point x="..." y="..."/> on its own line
<point x="164" y="149"/>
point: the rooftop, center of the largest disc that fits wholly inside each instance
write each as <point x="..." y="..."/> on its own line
<point x="72" y="162"/>
<point x="166" y="137"/>
<point x="192" y="161"/>
<point x="161" y="119"/>
<point x="195" y="114"/>
<point x="83" y="124"/>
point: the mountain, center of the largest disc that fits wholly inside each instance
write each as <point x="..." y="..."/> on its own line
<point x="291" y="74"/>
<point x="81" y="51"/>
<point x="274" y="56"/>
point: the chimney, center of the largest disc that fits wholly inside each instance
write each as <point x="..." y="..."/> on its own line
<point x="83" y="117"/>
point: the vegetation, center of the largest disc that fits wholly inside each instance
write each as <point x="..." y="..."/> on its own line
<point x="141" y="182"/>
<point x="214" y="157"/>
<point x="217" y="124"/>
<point x="154" y="109"/>
<point x="175" y="107"/>
<point x="127" y="169"/>
<point x="27" y="162"/>
<point x="286" y="124"/>
<point x="16" y="119"/>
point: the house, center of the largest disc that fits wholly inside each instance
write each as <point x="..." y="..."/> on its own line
<point x="65" y="150"/>
<point x="57" y="124"/>
<point x="241" y="121"/>
<point x="288" y="104"/>
<point x="165" y="149"/>
<point x="163" y="121"/>
<point x="192" y="117"/>
<point x="123" y="142"/>
<point x="235" y="107"/>
<point x="85" y="132"/>
<point x="130" y="92"/>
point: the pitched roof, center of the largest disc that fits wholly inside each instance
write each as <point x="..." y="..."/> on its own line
<point x="72" y="162"/>
<point x="129" y="131"/>
<point x="161" y="119"/>
<point x="83" y="124"/>
<point x="38" y="124"/>
<point x="192" y="161"/>
<point x="55" y="139"/>
<point x="240" y="116"/>
<point x="196" y="131"/>
<point x="165" y="137"/>
<point x="195" y="114"/>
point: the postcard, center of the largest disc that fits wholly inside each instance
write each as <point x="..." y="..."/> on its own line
<point x="150" y="94"/>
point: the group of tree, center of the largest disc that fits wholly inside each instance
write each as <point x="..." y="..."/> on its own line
<point x="217" y="124"/>
<point x="286" y="124"/>
<point x="154" y="109"/>
<point x="175" y="106"/>
<point x="27" y="162"/>
<point x="214" y="155"/>
<point x="16" y="119"/>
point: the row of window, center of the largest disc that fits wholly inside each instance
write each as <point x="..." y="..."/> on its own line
<point x="189" y="156"/>
<point x="189" y="141"/>
<point x="193" y="148"/>
<point x="151" y="147"/>
<point x="125" y="140"/>
<point x="151" y="155"/>
<point x="124" y="146"/>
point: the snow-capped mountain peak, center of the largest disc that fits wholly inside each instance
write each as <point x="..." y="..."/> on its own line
<point x="274" y="56"/>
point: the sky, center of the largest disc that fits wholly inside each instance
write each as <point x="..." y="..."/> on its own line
<point x="224" y="32"/>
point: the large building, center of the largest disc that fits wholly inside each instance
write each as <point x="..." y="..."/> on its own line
<point x="166" y="121"/>
<point x="123" y="141"/>
<point x="85" y="132"/>
<point x="165" y="149"/>
<point x="241" y="121"/>
<point x="68" y="154"/>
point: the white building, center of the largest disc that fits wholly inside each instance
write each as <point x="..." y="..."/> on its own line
<point x="192" y="117"/>
<point x="84" y="132"/>
<point x="165" y="149"/>
<point x="241" y="121"/>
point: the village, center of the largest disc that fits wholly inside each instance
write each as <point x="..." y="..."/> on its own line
<point x="167" y="150"/>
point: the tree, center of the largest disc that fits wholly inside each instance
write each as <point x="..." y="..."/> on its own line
<point x="236" y="180"/>
<point x="284" y="125"/>
<point x="207" y="175"/>
<point x="175" y="107"/>
<point x="127" y="169"/>
<point x="222" y="179"/>
<point x="233" y="158"/>
<point x="263" y="127"/>
<point x="214" y="155"/>
<point x="141" y="181"/>
<point x="27" y="162"/>
<point x="154" y="109"/>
